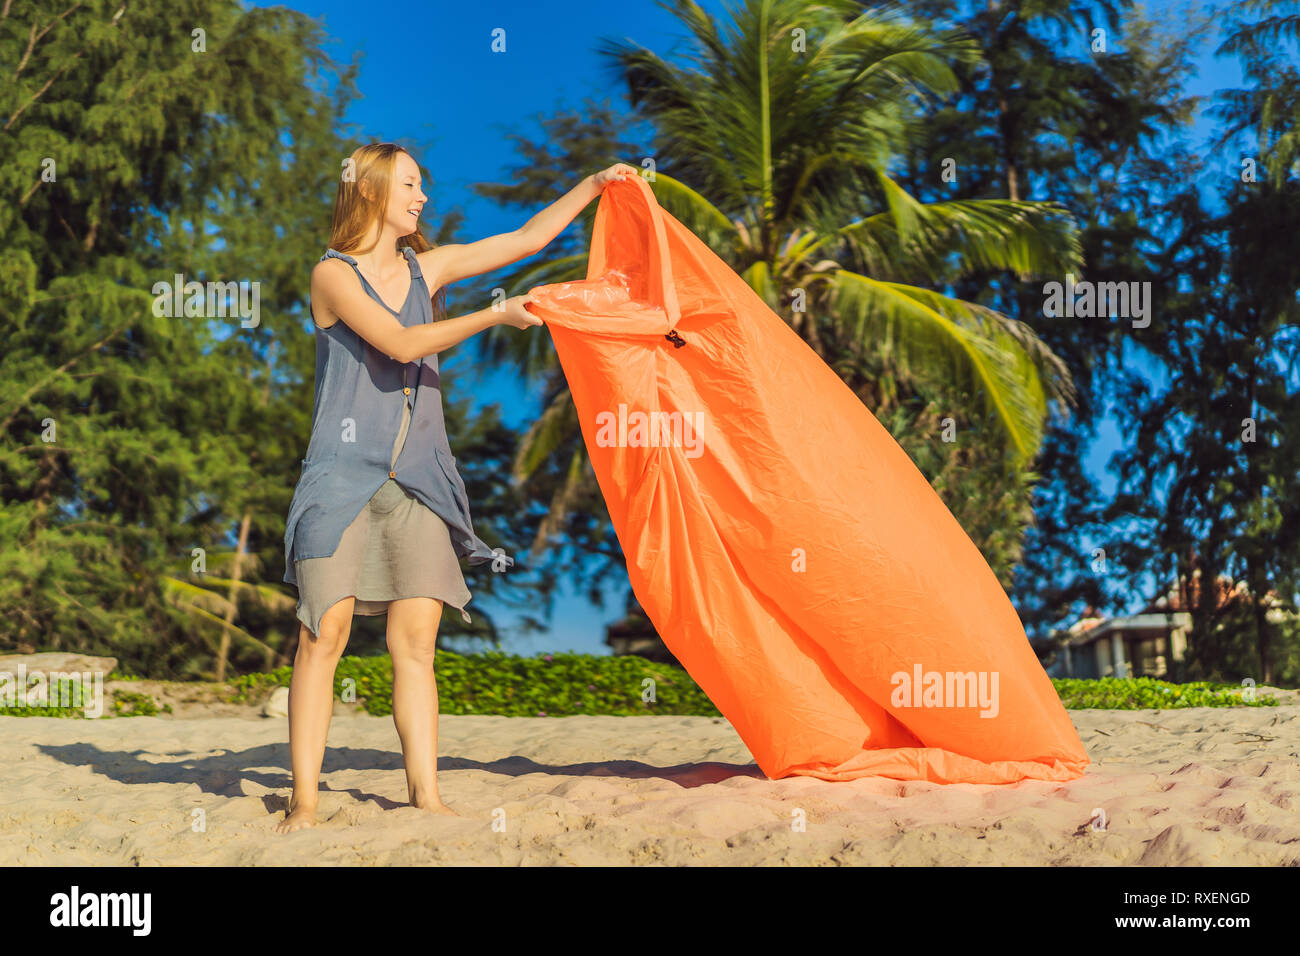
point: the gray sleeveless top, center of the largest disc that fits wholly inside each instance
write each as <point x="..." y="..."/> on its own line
<point x="356" y="415"/>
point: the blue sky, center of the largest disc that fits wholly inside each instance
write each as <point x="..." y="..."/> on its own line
<point x="430" y="78"/>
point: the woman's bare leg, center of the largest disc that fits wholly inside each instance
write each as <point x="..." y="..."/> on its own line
<point x="412" y="638"/>
<point x="311" y="704"/>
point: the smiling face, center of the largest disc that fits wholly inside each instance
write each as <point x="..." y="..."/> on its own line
<point x="379" y="202"/>
<point x="405" y="197"/>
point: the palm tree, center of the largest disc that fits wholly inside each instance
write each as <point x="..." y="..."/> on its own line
<point x="787" y="119"/>
<point x="1270" y="106"/>
<point x="212" y="614"/>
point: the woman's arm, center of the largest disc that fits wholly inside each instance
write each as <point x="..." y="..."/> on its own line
<point x="453" y="262"/>
<point x="336" y="293"/>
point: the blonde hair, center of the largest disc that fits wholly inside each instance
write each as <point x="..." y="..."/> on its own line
<point x="355" y="214"/>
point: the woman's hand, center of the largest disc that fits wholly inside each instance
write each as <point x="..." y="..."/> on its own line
<point x="617" y="171"/>
<point x="514" y="313"/>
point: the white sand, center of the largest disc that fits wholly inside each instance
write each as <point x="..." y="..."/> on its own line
<point x="1181" y="787"/>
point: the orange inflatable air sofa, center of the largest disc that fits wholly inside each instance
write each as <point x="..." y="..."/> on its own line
<point x="786" y="548"/>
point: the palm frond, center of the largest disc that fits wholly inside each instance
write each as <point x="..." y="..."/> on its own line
<point x="267" y="596"/>
<point x="696" y="213"/>
<point x="955" y="339"/>
<point x="564" y="269"/>
<point x="562" y="501"/>
<point x="185" y="595"/>
<point x="760" y="280"/>
<point x="553" y="428"/>
<point x="221" y="560"/>
<point x="943" y="241"/>
<point x="235" y="631"/>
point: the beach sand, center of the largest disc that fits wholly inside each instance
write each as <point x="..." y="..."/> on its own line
<point x="1217" y="786"/>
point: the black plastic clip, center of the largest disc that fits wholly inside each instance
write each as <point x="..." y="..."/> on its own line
<point x="676" y="339"/>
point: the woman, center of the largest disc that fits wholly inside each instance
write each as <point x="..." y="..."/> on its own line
<point x="379" y="520"/>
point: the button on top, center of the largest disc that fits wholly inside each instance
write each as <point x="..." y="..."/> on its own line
<point x="406" y="391"/>
<point x="392" y="474"/>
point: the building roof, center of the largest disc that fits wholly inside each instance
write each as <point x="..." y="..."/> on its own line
<point x="1162" y="622"/>
<point x="1165" y="613"/>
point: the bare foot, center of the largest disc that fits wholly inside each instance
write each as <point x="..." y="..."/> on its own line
<point x="300" y="817"/>
<point x="433" y="805"/>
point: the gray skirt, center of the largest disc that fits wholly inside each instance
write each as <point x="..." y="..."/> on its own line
<point x="395" y="548"/>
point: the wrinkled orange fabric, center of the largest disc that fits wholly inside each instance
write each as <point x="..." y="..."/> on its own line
<point x="786" y="548"/>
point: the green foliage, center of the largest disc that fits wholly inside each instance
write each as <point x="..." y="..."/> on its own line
<point x="567" y="685"/>
<point x="123" y="703"/>
<point x="564" y="685"/>
<point x="1141" y="693"/>
<point x="1263" y="35"/>
<point x="1222" y="436"/>
<point x="79" y="695"/>
<point x="552" y="685"/>
<point x="131" y="704"/>
<point x="254" y="686"/>
<point x="129" y="440"/>
<point x="557" y="685"/>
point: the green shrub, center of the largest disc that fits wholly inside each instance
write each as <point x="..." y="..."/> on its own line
<point x="562" y="685"/>
<point x="552" y="685"/>
<point x="122" y="703"/>
<point x="81" y="696"/>
<point x="128" y="703"/>
<point x="1139" y="693"/>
